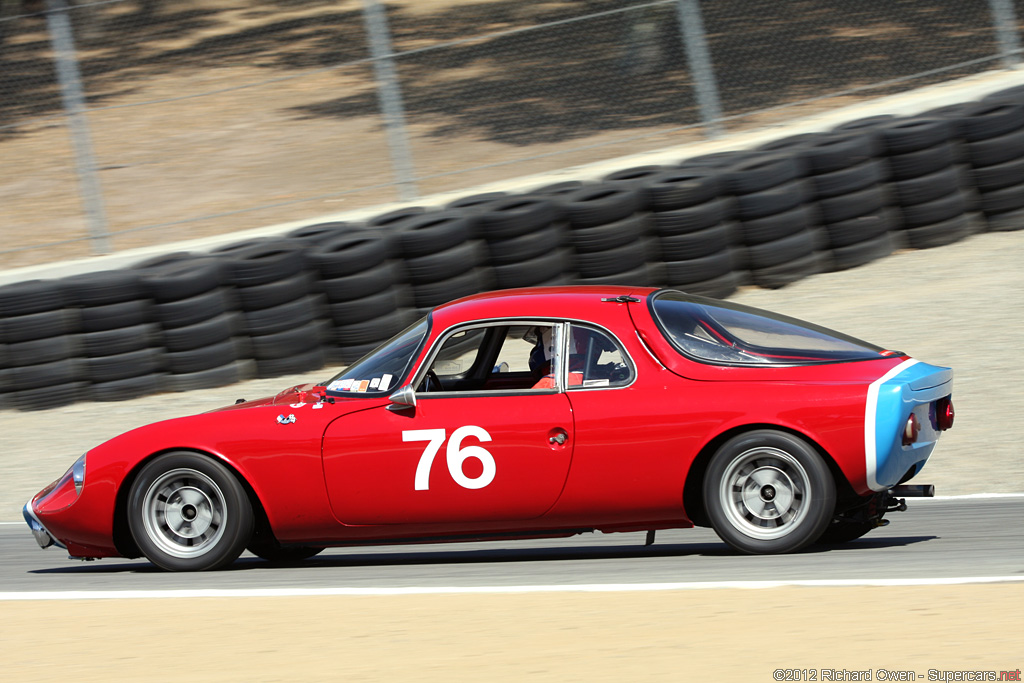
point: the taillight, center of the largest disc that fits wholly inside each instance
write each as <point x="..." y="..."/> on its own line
<point x="944" y="413"/>
<point x="911" y="430"/>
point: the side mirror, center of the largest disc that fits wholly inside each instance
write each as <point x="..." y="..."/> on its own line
<point x="403" y="398"/>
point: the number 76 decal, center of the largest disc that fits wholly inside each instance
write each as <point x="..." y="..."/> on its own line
<point x="456" y="455"/>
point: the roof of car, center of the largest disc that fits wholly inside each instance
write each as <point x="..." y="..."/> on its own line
<point x="583" y="302"/>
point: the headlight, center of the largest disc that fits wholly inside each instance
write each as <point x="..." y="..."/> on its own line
<point x="78" y="474"/>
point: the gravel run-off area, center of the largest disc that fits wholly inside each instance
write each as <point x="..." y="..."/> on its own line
<point x="960" y="305"/>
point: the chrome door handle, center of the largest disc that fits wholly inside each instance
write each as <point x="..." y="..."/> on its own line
<point x="558" y="438"/>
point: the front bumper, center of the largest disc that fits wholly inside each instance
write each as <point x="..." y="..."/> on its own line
<point x="43" y="537"/>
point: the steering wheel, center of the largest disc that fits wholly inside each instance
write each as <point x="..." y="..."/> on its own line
<point x="431" y="382"/>
<point x="619" y="373"/>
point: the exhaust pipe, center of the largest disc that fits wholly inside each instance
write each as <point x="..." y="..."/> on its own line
<point x="914" y="490"/>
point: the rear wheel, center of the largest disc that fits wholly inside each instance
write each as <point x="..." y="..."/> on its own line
<point x="768" y="492"/>
<point x="188" y="512"/>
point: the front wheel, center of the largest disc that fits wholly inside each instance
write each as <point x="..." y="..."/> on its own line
<point x="768" y="492"/>
<point x="188" y="512"/>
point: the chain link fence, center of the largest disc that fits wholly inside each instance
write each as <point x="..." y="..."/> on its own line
<point x="126" y="123"/>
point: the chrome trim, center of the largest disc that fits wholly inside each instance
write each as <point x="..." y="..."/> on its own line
<point x="43" y="537"/>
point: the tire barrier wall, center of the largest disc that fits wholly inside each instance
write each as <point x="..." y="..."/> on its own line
<point x="328" y="293"/>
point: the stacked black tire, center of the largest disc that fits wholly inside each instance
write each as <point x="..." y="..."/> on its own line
<point x="993" y="134"/>
<point x="776" y="228"/>
<point x="122" y="357"/>
<point x="695" y="237"/>
<point x="442" y="258"/>
<point x="610" y="235"/>
<point x="925" y="184"/>
<point x="364" y="290"/>
<point x="198" y="322"/>
<point x="848" y="185"/>
<point x="38" y="347"/>
<point x="525" y="242"/>
<point x="281" y="316"/>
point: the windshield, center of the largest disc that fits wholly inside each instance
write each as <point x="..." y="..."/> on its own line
<point x="720" y="332"/>
<point x="385" y="367"/>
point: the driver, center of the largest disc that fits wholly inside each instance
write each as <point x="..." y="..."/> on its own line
<point x="540" y="358"/>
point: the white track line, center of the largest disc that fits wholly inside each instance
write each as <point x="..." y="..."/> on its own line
<point x="454" y="590"/>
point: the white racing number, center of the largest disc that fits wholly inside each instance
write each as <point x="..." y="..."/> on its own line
<point x="456" y="455"/>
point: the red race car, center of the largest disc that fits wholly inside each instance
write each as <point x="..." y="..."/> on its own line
<point x="522" y="414"/>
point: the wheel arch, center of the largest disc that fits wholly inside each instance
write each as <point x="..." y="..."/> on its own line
<point x="693" y="489"/>
<point x="123" y="540"/>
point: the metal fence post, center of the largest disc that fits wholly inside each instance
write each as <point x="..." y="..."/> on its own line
<point x="1006" y="31"/>
<point x="390" y="95"/>
<point x="74" y="104"/>
<point x="699" y="58"/>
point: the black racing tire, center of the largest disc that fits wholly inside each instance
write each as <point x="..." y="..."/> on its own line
<point x="120" y="340"/>
<point x="371" y="331"/>
<point x="610" y="235"/>
<point x="362" y="284"/>
<point x="46" y="375"/>
<point x="720" y="287"/>
<point x="440" y="265"/>
<point x="205" y="333"/>
<point x="911" y="134"/>
<point x="984" y="120"/>
<point x="389" y="219"/>
<point x="365" y="308"/>
<point x="279" y="318"/>
<point x="938" y="234"/>
<point x="922" y="162"/>
<point x="127" y="388"/>
<point x="682" y="273"/>
<point x="1003" y="200"/>
<point x="776" y="277"/>
<point x="440" y="292"/>
<point x="774" y="200"/>
<point x="790" y="143"/>
<point x="264" y="262"/>
<point x="1005" y="222"/>
<point x="761" y="173"/>
<point x="349" y="253"/>
<point x="997" y="150"/>
<point x="847" y="180"/>
<point x="318" y="233"/>
<point x="695" y="217"/>
<point x="682" y="187"/>
<point x="927" y="188"/>
<point x="271" y="551"/>
<point x="599" y="204"/>
<point x="103" y="287"/>
<point x="853" y="255"/>
<point x="845" y="207"/>
<point x="866" y="124"/>
<point x="273" y="293"/>
<point x="777" y="252"/>
<point x="123" y="365"/>
<point x="30" y="296"/>
<point x="988" y="178"/>
<point x="112" y="316"/>
<point x="289" y="342"/>
<point x="512" y="217"/>
<point x="203" y="357"/>
<point x="859" y="229"/>
<point x="476" y="203"/>
<point x="646" y="275"/>
<point x="23" y="328"/>
<point x="48" y="397"/>
<point x="304" y="361"/>
<point x="609" y="262"/>
<point x="525" y="247"/>
<point x="768" y="492"/>
<point x="45" y="350"/>
<point x="208" y="379"/>
<point x="776" y="226"/>
<point x="935" y="211"/>
<point x="533" y="272"/>
<point x="182" y="279"/>
<point x="696" y="244"/>
<point x="193" y="310"/>
<point x="1014" y="94"/>
<point x="188" y="512"/>
<point x="838" y="150"/>
<point x="433" y="232"/>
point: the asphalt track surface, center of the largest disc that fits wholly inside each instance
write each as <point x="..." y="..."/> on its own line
<point x="933" y="539"/>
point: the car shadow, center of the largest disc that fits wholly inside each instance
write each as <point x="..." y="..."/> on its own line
<point x="391" y="556"/>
